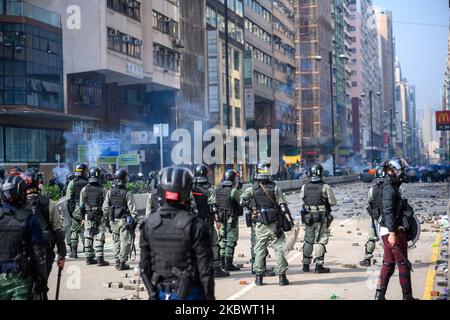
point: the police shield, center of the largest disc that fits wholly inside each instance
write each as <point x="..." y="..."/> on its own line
<point x="411" y="224"/>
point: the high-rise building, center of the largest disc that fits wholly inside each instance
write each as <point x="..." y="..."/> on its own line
<point x="270" y="42"/>
<point x="366" y="82"/>
<point x="387" y="48"/>
<point x="32" y="118"/>
<point x="315" y="43"/>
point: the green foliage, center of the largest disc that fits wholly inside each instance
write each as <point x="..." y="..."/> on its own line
<point x="107" y="185"/>
<point x="137" y="187"/>
<point x="53" y="192"/>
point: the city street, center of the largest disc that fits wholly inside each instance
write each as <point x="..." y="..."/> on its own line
<point x="347" y="280"/>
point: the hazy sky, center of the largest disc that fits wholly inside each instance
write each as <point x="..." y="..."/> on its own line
<point x="422" y="50"/>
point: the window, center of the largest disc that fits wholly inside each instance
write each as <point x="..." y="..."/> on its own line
<point x="165" y="24"/>
<point x="258" y="31"/>
<point x="124" y="43"/>
<point x="31" y="145"/>
<point x="263" y="79"/>
<point x="86" y="91"/>
<point x="166" y="58"/>
<point x="237" y="117"/>
<point x="130" y="8"/>
<point x="226" y="113"/>
<point x="256" y="7"/>
<point x="211" y="17"/>
<point x="237" y="89"/>
<point x="237" y="59"/>
<point x="354" y="83"/>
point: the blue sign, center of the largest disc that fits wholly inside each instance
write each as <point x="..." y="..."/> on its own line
<point x="108" y="148"/>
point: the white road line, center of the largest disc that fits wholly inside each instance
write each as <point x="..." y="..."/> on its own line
<point x="249" y="287"/>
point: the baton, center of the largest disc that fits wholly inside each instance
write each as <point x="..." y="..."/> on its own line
<point x="58" y="283"/>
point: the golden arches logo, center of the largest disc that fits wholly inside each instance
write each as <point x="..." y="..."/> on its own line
<point x="443" y="117"/>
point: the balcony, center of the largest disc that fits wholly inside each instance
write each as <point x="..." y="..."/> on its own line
<point x="25" y="9"/>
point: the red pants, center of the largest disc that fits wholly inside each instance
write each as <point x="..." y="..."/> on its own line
<point x="399" y="255"/>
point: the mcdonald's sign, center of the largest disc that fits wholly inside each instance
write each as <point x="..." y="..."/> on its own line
<point x="442" y="120"/>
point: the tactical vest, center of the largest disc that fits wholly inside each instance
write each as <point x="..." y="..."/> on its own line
<point x="376" y="205"/>
<point x="223" y="197"/>
<point x="170" y="244"/>
<point x="154" y="199"/>
<point x="312" y="195"/>
<point x="94" y="195"/>
<point x="13" y="234"/>
<point x="261" y="199"/>
<point x="396" y="200"/>
<point x="200" y="193"/>
<point x="78" y="185"/>
<point x="118" y="197"/>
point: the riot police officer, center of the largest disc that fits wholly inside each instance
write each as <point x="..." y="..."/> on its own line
<point x="374" y="209"/>
<point x="91" y="202"/>
<point x="268" y="207"/>
<point x="176" y="256"/>
<point x="73" y="193"/>
<point x="153" y="198"/>
<point x="316" y="199"/>
<point x="47" y="213"/>
<point x="205" y="208"/>
<point x="22" y="249"/>
<point x="120" y="208"/>
<point x="229" y="210"/>
<point x="393" y="233"/>
<point x="68" y="179"/>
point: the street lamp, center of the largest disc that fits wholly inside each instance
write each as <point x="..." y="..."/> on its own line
<point x="371" y="120"/>
<point x="318" y="58"/>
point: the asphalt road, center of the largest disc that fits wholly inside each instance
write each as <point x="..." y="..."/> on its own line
<point x="347" y="280"/>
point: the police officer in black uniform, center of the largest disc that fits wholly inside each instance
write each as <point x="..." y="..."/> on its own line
<point x="204" y="207"/>
<point x="176" y="256"/>
<point x="73" y="192"/>
<point x="47" y="213"/>
<point x="91" y="203"/>
<point x="22" y="249"/>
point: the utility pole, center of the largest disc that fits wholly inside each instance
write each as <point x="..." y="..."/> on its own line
<point x="227" y="68"/>
<point x="330" y="61"/>
<point x="371" y="126"/>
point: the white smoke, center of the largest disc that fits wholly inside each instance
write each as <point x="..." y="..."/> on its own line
<point x="60" y="173"/>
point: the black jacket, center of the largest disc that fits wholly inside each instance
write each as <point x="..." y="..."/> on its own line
<point x="201" y="248"/>
<point x="391" y="197"/>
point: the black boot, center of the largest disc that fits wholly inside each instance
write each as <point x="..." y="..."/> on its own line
<point x="306" y="267"/>
<point x="259" y="280"/>
<point x="380" y="294"/>
<point x="229" y="266"/>
<point x="222" y="261"/>
<point x="73" y="252"/>
<point x="321" y="269"/>
<point x="101" y="262"/>
<point x="219" y="273"/>
<point x="123" y="266"/>
<point x="409" y="296"/>
<point x="90" y="260"/>
<point x="283" y="281"/>
<point x="365" y="263"/>
<point x="117" y="264"/>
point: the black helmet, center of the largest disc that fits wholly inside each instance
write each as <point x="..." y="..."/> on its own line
<point x="81" y="170"/>
<point x="95" y="175"/>
<point x="32" y="178"/>
<point x="315" y="173"/>
<point x="174" y="184"/>
<point x="263" y="170"/>
<point x="121" y="177"/>
<point x="201" y="173"/>
<point x="229" y="177"/>
<point x="381" y="170"/>
<point x="395" y="168"/>
<point x="14" y="190"/>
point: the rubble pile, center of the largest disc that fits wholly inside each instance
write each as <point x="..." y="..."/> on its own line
<point x="132" y="282"/>
<point x="441" y="281"/>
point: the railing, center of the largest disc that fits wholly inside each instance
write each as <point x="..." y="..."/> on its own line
<point x="25" y="9"/>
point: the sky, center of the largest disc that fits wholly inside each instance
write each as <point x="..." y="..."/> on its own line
<point x="422" y="50"/>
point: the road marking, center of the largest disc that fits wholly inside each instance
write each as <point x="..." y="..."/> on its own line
<point x="249" y="287"/>
<point x="431" y="275"/>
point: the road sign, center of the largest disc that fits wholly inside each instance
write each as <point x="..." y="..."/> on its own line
<point x="157" y="130"/>
<point x="131" y="159"/>
<point x="108" y="148"/>
<point x="107" y="160"/>
<point x="139" y="137"/>
<point x="443" y="120"/>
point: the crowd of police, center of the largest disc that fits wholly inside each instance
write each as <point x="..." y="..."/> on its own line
<point x="190" y="230"/>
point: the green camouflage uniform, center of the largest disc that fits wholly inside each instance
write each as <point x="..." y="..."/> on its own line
<point x="372" y="236"/>
<point x="229" y="230"/>
<point x="77" y="225"/>
<point x="265" y="236"/>
<point x="212" y="229"/>
<point x="91" y="228"/>
<point x="317" y="235"/>
<point x="13" y="287"/>
<point x="122" y="238"/>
